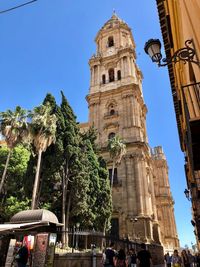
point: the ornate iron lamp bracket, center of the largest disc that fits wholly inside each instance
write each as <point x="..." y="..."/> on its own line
<point x="185" y="54"/>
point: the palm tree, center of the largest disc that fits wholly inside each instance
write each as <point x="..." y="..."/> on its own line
<point x="14" y="127"/>
<point x="43" y="131"/>
<point x="117" y="150"/>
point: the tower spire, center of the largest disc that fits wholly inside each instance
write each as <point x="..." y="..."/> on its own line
<point x="114" y="14"/>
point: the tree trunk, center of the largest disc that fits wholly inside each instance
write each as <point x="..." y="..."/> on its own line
<point x="112" y="177"/>
<point x="63" y="207"/>
<point x="64" y="197"/>
<point x="67" y="221"/>
<point x="103" y="243"/>
<point x="36" y="182"/>
<point x="5" y="170"/>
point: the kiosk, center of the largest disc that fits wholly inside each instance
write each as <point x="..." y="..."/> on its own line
<point x="37" y="228"/>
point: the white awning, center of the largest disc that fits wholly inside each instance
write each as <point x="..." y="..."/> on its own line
<point x="10" y="227"/>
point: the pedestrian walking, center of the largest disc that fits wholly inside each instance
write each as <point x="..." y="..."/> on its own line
<point x="144" y="257"/>
<point x="121" y="259"/>
<point x="198" y="259"/>
<point x="185" y="258"/>
<point x="110" y="256"/>
<point x="191" y="258"/>
<point x="176" y="259"/>
<point x="22" y="256"/>
<point x="168" y="259"/>
<point x="132" y="258"/>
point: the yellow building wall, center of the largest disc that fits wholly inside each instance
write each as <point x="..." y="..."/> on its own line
<point x="185" y="25"/>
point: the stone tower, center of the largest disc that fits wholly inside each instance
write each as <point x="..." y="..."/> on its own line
<point x="116" y="107"/>
<point x="164" y="201"/>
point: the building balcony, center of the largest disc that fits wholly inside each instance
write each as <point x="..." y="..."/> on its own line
<point x="111" y="115"/>
<point x="191" y="94"/>
<point x="109" y="81"/>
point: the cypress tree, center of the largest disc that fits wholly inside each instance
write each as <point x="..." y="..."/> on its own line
<point x="99" y="194"/>
<point x="74" y="178"/>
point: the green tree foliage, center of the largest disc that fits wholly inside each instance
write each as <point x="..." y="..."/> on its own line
<point x="13" y="186"/>
<point x="104" y="200"/>
<point x="50" y="180"/>
<point x="14" y="205"/>
<point x="14" y="127"/>
<point x="117" y="150"/>
<point x="43" y="132"/>
<point x="72" y="172"/>
<point x="99" y="191"/>
<point x="74" y="180"/>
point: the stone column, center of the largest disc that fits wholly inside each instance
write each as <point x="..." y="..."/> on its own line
<point x="138" y="182"/>
<point x="130" y="186"/>
<point x="129" y="65"/>
<point x="153" y="195"/>
<point x="98" y="75"/>
<point x="128" y="110"/>
<point x="91" y="113"/>
<point x="122" y="68"/>
<point x="132" y="67"/>
<point x="145" y="187"/>
<point x="125" y="119"/>
<point x="92" y="76"/>
<point x="131" y="111"/>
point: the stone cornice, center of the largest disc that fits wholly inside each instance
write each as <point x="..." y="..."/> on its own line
<point x="105" y="31"/>
<point x="128" y="90"/>
<point x="98" y="59"/>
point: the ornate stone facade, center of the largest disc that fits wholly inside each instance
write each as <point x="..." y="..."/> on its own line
<point x="164" y="200"/>
<point x="116" y="106"/>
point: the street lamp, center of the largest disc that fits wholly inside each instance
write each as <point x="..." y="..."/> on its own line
<point x="186" y="54"/>
<point x="77" y="229"/>
<point x="187" y="194"/>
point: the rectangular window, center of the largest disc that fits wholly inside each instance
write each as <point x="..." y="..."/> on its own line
<point x="114" y="231"/>
<point x="115" y="178"/>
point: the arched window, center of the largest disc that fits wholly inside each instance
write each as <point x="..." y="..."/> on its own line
<point x="111" y="74"/>
<point x="111" y="109"/>
<point x="112" y="112"/>
<point x="103" y="78"/>
<point x="111" y="135"/>
<point x="119" y="75"/>
<point x="110" y="41"/>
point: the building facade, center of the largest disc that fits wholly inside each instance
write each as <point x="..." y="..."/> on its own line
<point x="180" y="20"/>
<point x="164" y="200"/>
<point x="141" y="193"/>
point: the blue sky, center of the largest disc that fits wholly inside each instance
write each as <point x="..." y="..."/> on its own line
<point x="45" y="47"/>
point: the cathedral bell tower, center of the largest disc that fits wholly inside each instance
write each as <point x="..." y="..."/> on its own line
<point x="116" y="107"/>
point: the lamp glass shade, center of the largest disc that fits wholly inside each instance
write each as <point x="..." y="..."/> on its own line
<point x="152" y="48"/>
<point x="187" y="193"/>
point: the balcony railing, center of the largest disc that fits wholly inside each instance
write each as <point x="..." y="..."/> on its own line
<point x="110" y="81"/>
<point x="111" y="115"/>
